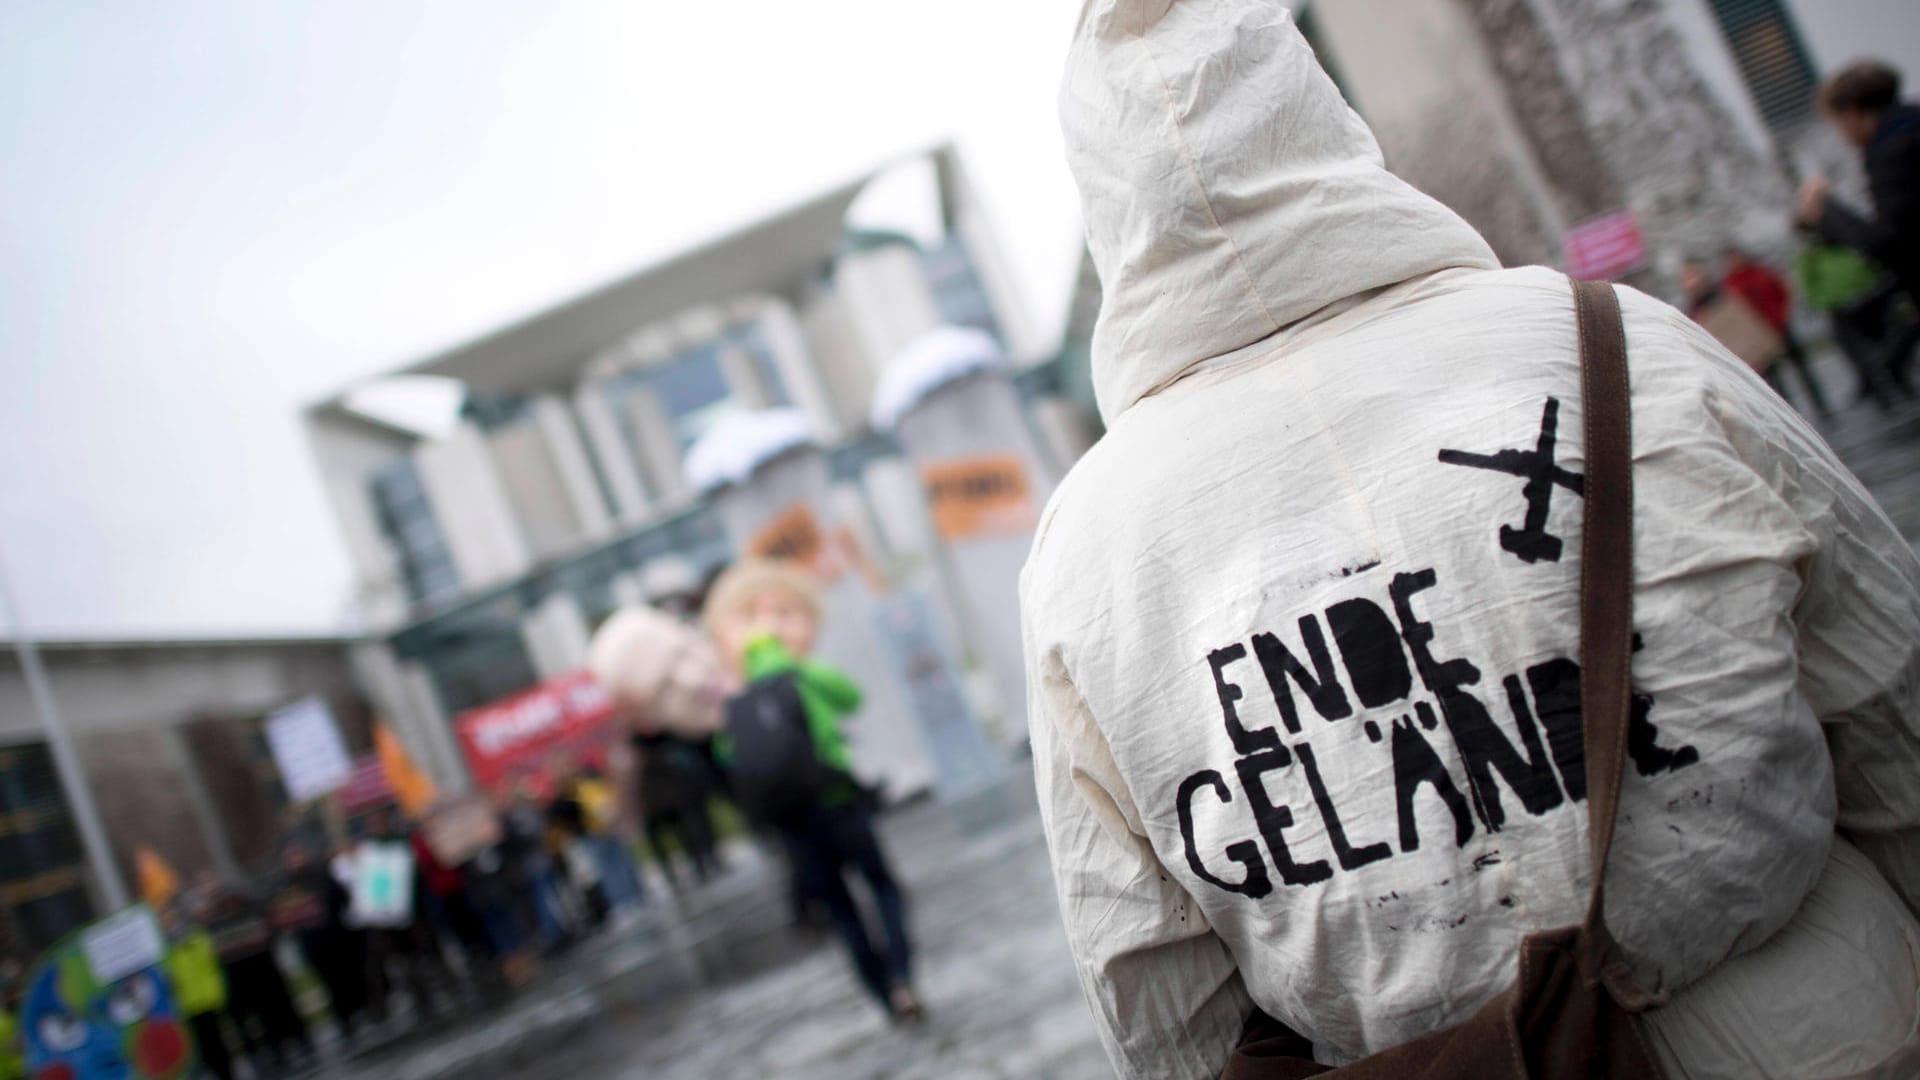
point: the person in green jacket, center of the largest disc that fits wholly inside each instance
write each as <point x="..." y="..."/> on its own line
<point x="765" y="616"/>
<point x="201" y="989"/>
<point x="13" y="1054"/>
<point x="1858" y="299"/>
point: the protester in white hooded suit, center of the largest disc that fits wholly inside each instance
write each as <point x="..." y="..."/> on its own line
<point x="1301" y="630"/>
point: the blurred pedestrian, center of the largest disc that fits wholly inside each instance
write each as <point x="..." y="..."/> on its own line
<point x="675" y="788"/>
<point x="1858" y="300"/>
<point x="311" y="904"/>
<point x="600" y="819"/>
<point x="493" y="892"/>
<point x="200" y="990"/>
<point x="1699" y="288"/>
<point x="447" y="906"/>
<point x="532" y="871"/>
<point x="1767" y="293"/>
<point x="13" y="1048"/>
<point x="584" y="897"/>
<point x="1863" y="103"/>
<point x="264" y="1015"/>
<point x="792" y="768"/>
<point x="1302" y="631"/>
<point x="403" y="949"/>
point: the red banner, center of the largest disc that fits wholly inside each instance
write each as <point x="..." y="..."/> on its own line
<point x="555" y="726"/>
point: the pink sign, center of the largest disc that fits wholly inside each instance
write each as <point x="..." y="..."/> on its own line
<point x="366" y="786"/>
<point x="568" y="717"/>
<point x="1605" y="247"/>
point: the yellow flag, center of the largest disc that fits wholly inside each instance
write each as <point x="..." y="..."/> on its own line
<point x="412" y="788"/>
<point x="158" y="882"/>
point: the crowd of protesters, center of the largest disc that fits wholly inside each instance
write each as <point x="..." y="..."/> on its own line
<point x="395" y="931"/>
<point x="395" y="922"/>
<point x="1856" y="267"/>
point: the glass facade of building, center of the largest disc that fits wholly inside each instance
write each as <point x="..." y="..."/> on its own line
<point x="406" y="519"/>
<point x="43" y="868"/>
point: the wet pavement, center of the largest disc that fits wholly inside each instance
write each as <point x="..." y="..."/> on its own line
<point x="722" y="986"/>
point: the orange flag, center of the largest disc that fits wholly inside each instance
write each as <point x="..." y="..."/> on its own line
<point x="412" y="788"/>
<point x="158" y="882"/>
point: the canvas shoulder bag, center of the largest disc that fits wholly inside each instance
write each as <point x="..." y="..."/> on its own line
<point x="1572" y="1012"/>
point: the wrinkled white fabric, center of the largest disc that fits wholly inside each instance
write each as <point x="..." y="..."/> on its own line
<point x="1301" y="640"/>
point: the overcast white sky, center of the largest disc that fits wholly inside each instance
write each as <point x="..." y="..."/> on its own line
<point x="215" y="211"/>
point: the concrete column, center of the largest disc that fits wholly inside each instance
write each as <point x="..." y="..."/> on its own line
<point x="743" y="378"/>
<point x="569" y="456"/>
<point x="419" y="723"/>
<point x="346" y="454"/>
<point x="888" y="300"/>
<point x="556" y="636"/>
<point x="659" y="449"/>
<point x="442" y="759"/>
<point x="851" y="507"/>
<point x="628" y="592"/>
<point x="631" y="507"/>
<point x="471" y="506"/>
<point x="193" y="788"/>
<point x="799" y="369"/>
<point x="536" y="489"/>
<point x="899" y="506"/>
<point x="972" y="225"/>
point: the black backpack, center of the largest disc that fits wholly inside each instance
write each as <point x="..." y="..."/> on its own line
<point x="777" y="777"/>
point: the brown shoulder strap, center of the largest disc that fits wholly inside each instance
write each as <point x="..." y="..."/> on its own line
<point x="1606" y="608"/>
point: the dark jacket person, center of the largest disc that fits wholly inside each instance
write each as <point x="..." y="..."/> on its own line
<point x="1863" y="103"/>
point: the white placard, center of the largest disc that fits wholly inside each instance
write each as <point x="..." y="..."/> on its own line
<point x="122" y="943"/>
<point x="306" y="746"/>
<point x="382" y="885"/>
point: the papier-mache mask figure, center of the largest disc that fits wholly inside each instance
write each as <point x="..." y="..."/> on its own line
<point x="663" y="675"/>
<point x="75" y="1028"/>
<point x="763" y="598"/>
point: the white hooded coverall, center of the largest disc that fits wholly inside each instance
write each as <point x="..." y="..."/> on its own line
<point x="1301" y="629"/>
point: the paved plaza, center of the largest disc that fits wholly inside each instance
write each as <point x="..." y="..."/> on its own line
<point x="719" y="985"/>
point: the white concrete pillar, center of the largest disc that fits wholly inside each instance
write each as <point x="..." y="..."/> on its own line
<point x="659" y="448"/>
<point x="556" y="636"/>
<point x="442" y="757"/>
<point x="471" y="506"/>
<point x="403" y="696"/>
<point x="799" y="369"/>
<point x="743" y="378"/>
<point x="899" y="505"/>
<point x="346" y="456"/>
<point x="628" y="592"/>
<point x="889" y="301"/>
<point x="971" y="224"/>
<point x="852" y="509"/>
<point x="631" y="507"/>
<point x="535" y="488"/>
<point x="200" y="804"/>
<point x="569" y="455"/>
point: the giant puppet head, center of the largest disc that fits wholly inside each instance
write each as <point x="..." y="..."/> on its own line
<point x="76" y="1027"/>
<point x="759" y="598"/>
<point x="663" y="675"/>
